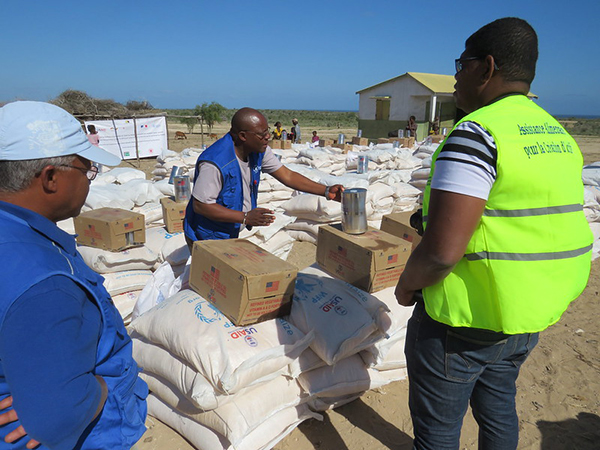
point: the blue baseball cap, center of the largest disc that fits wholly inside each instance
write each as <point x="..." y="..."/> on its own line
<point x="36" y="130"/>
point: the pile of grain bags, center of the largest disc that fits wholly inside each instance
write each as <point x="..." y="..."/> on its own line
<point x="211" y="378"/>
<point x="220" y="385"/>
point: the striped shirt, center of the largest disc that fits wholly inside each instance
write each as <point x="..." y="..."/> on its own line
<point x="467" y="162"/>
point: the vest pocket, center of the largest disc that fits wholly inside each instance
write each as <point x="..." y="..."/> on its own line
<point x="130" y="396"/>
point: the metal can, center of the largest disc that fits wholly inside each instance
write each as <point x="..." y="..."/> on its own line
<point x="341" y="138"/>
<point x="363" y="164"/>
<point x="354" y="212"/>
<point x="174" y="173"/>
<point x="182" y="188"/>
<point x="359" y="134"/>
<point x="400" y="133"/>
<point x="284" y="135"/>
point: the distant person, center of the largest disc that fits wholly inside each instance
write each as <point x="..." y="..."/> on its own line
<point x="297" y="132"/>
<point x="227" y="176"/>
<point x="277" y="131"/>
<point x="315" y="138"/>
<point x="292" y="134"/>
<point x="93" y="136"/>
<point x="411" y="127"/>
<point x="65" y="355"/>
<point x="503" y="253"/>
<point x="434" y="127"/>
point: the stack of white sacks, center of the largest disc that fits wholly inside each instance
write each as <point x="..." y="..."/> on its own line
<point x="228" y="387"/>
<point x="304" y="367"/>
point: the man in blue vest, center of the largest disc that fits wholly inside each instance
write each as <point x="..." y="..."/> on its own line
<point x="227" y="176"/>
<point x="506" y="245"/>
<point x="65" y="356"/>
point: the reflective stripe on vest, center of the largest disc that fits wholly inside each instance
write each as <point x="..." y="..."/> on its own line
<point x="530" y="254"/>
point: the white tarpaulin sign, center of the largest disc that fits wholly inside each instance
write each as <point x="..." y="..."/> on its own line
<point x="119" y="136"/>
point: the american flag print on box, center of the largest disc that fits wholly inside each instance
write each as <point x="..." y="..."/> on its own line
<point x="272" y="286"/>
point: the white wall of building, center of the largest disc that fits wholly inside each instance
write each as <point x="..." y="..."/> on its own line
<point x="408" y="97"/>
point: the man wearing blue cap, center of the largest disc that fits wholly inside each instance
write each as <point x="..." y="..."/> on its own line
<point x="65" y="356"/>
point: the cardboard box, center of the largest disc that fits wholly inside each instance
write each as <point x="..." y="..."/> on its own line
<point x="360" y="141"/>
<point x="286" y="145"/>
<point x="344" y="147"/>
<point x="275" y="143"/>
<point x="398" y="224"/>
<point x="437" y="138"/>
<point x="370" y="261"/>
<point x="110" y="229"/>
<point x="173" y="214"/>
<point x="325" y="142"/>
<point x="383" y="140"/>
<point x="407" y="142"/>
<point x="246" y="283"/>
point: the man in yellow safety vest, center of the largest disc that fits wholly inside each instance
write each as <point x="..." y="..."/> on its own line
<point x="506" y="245"/>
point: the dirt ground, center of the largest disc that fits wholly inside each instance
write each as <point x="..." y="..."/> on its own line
<point x="558" y="398"/>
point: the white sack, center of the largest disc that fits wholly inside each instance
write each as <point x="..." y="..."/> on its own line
<point x="152" y="212"/>
<point x="313" y="207"/>
<point x="125" y="303"/>
<point x="161" y="285"/>
<point x="264" y="437"/>
<point x="129" y="280"/>
<point x="242" y="414"/>
<point x="104" y="261"/>
<point x="348" y="376"/>
<point x="229" y="357"/>
<point x="158" y="362"/>
<point x="335" y="311"/>
<point x="125" y="174"/>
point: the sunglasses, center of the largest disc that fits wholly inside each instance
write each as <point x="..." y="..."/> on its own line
<point x="458" y="63"/>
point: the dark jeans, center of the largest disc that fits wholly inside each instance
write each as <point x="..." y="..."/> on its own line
<point x="448" y="367"/>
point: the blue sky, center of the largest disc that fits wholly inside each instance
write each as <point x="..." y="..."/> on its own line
<point x="280" y="55"/>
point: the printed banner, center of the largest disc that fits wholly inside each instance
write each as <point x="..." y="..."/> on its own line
<point x="119" y="136"/>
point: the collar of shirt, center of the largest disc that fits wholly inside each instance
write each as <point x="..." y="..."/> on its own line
<point x="42" y="225"/>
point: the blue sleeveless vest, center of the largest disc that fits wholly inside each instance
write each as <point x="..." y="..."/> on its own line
<point x="222" y="155"/>
<point x="28" y="257"/>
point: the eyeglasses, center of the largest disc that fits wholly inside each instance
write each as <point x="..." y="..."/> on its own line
<point x="262" y="136"/>
<point x="89" y="173"/>
<point x="458" y="63"/>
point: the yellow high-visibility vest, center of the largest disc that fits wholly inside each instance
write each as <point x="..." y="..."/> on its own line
<point x="530" y="255"/>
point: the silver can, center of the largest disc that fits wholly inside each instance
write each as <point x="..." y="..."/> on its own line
<point x="363" y="164"/>
<point x="359" y="134"/>
<point x="354" y="213"/>
<point x="341" y="138"/>
<point x="182" y="188"/>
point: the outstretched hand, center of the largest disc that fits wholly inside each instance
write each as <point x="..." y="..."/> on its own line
<point x="11" y="416"/>
<point x="260" y="217"/>
<point x="335" y="192"/>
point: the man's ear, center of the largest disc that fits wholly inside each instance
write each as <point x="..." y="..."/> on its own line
<point x="48" y="178"/>
<point x="490" y="68"/>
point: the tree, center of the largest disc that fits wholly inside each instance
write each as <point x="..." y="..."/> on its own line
<point x="133" y="105"/>
<point x="209" y="114"/>
<point x="190" y="122"/>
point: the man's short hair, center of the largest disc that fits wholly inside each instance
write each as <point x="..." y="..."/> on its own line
<point x="512" y="42"/>
<point x="16" y="176"/>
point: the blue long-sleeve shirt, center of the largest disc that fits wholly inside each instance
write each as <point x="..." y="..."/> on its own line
<point x="48" y="352"/>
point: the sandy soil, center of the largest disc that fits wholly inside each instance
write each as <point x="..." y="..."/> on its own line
<point x="558" y="399"/>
